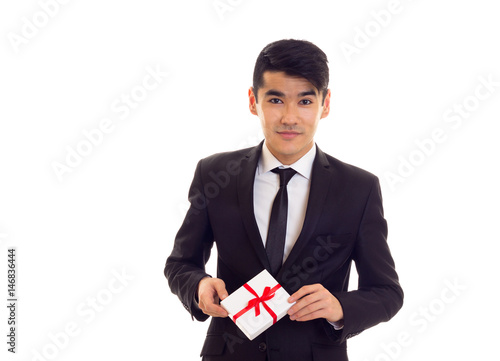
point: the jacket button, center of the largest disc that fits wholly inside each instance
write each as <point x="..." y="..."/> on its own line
<point x="262" y="347"/>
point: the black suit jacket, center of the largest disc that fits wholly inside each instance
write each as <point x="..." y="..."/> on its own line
<point x="344" y="222"/>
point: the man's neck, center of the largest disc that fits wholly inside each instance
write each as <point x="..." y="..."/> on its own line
<point x="292" y="158"/>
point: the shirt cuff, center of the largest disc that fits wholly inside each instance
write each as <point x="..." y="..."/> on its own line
<point x="338" y="325"/>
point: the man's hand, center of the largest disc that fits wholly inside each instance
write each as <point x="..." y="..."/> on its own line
<point x="315" y="301"/>
<point x="210" y="290"/>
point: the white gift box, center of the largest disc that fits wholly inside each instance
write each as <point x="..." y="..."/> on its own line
<point x="262" y="295"/>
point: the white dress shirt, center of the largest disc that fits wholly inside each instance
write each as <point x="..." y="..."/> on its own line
<point x="266" y="187"/>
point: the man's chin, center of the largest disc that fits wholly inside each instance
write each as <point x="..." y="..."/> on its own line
<point x="287" y="153"/>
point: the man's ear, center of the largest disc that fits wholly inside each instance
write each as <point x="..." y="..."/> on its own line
<point x="326" y="104"/>
<point x="252" y="101"/>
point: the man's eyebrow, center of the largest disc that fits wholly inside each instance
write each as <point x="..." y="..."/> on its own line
<point x="277" y="93"/>
<point x="306" y="93"/>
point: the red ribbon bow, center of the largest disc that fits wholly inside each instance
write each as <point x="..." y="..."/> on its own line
<point x="255" y="302"/>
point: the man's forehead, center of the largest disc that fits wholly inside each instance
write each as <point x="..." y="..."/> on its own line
<point x="285" y="84"/>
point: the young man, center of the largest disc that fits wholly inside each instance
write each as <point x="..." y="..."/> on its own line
<point x="331" y="214"/>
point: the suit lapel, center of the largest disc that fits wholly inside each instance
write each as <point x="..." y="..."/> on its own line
<point x="321" y="178"/>
<point x="245" y="183"/>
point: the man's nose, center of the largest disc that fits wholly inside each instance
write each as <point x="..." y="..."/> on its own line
<point x="290" y="114"/>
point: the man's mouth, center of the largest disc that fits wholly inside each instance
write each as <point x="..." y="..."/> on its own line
<point x="288" y="134"/>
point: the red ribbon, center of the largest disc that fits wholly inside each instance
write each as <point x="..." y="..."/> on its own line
<point x="255" y="302"/>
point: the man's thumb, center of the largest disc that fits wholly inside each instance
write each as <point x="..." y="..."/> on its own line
<point x="220" y="287"/>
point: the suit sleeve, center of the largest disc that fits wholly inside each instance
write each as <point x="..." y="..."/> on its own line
<point x="379" y="295"/>
<point x="185" y="266"/>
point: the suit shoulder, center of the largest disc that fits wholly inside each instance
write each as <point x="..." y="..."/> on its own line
<point x="222" y="159"/>
<point x="235" y="154"/>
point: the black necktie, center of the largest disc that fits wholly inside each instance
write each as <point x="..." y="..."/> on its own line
<point x="276" y="233"/>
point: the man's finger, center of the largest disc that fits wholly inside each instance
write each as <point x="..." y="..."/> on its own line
<point x="211" y="290"/>
<point x="210" y="307"/>
<point x="215" y="310"/>
<point x="220" y="288"/>
<point x="305" y="302"/>
<point x="303" y="291"/>
<point x="309" y="316"/>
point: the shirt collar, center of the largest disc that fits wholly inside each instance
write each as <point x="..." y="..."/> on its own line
<point x="303" y="166"/>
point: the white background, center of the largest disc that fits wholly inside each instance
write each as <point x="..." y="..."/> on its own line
<point x="119" y="209"/>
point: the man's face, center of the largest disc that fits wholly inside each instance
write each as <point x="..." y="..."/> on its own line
<point x="289" y="110"/>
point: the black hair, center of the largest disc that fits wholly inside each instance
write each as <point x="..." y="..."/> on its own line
<point x="299" y="58"/>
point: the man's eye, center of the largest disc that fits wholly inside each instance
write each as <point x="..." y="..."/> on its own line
<point x="305" y="102"/>
<point x="275" y="101"/>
